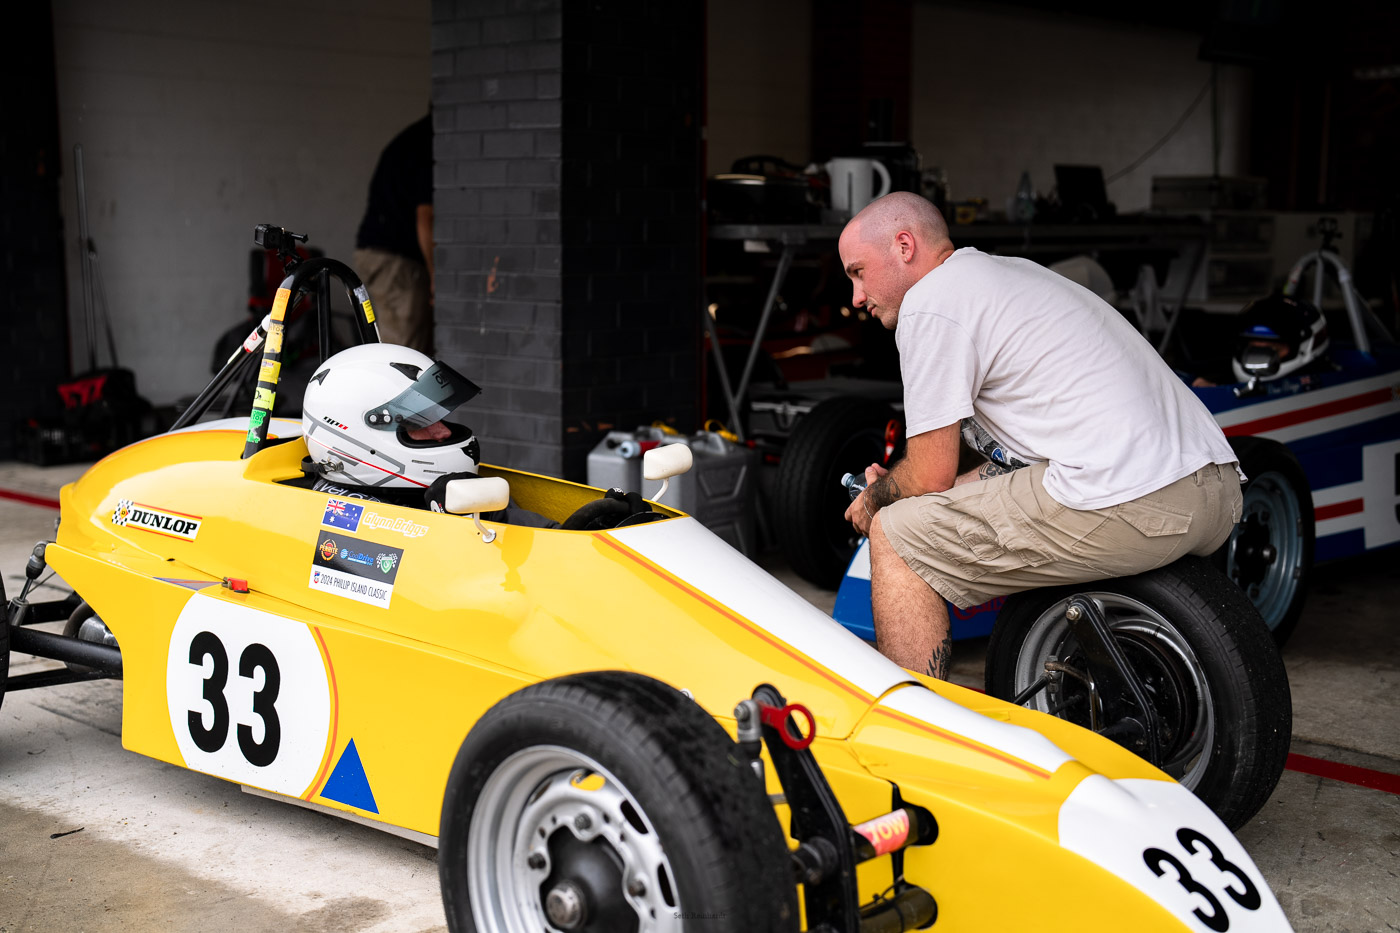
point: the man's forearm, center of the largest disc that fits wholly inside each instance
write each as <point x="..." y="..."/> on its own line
<point x="897" y="484"/>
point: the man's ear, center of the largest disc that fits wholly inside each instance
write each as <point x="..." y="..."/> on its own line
<point x="904" y="240"/>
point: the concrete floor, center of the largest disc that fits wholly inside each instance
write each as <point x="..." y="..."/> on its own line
<point x="94" y="838"/>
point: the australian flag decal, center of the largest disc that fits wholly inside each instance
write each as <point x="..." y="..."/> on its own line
<point x="343" y="515"/>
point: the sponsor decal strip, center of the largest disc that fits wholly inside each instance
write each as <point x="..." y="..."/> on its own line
<point x="323" y="772"/>
<point x="966" y="743"/>
<point x="1311" y="413"/>
<point x="167" y="522"/>
<point x="28" y="499"/>
<point x="736" y="619"/>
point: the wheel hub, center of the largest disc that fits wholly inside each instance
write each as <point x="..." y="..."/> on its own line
<point x="1254" y="551"/>
<point x="565" y="906"/>
<point x="584" y="892"/>
<point x="558" y="845"/>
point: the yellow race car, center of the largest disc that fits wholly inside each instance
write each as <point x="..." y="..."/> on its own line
<point x="622" y="729"/>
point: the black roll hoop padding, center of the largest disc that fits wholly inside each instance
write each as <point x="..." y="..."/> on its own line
<point x="598" y="515"/>
<point x="615" y="510"/>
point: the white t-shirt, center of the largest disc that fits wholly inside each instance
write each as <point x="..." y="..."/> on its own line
<point x="1049" y="371"/>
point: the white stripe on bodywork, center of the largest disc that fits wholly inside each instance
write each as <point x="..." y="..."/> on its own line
<point x="1293" y="402"/>
<point x="1343" y="492"/>
<point x="1026" y="744"/>
<point x="692" y="553"/>
<point x="1129" y="825"/>
<point x="860" y="564"/>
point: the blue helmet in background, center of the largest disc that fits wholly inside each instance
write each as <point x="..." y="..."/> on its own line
<point x="1293" y="328"/>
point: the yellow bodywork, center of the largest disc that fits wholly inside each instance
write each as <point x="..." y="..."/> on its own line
<point x="471" y="622"/>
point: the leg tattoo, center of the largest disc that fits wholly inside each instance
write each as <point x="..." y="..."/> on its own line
<point x="940" y="659"/>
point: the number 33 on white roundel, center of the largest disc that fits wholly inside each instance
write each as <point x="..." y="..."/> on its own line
<point x="248" y="695"/>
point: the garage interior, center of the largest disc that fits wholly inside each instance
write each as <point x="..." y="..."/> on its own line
<point x="633" y="210"/>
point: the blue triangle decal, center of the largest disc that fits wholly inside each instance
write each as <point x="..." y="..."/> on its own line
<point x="348" y="784"/>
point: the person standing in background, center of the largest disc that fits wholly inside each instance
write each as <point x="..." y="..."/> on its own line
<point x="394" y="245"/>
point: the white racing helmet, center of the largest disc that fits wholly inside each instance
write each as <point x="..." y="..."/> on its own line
<point x="360" y="406"/>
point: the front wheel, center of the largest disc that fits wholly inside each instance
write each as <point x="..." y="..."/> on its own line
<point x="1206" y="660"/>
<point x="608" y="803"/>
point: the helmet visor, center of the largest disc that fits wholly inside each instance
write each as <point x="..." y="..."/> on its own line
<point x="434" y="394"/>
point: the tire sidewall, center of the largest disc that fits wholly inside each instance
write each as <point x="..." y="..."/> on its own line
<point x="808" y="483"/>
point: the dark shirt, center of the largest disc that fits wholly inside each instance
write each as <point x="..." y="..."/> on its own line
<point x="402" y="181"/>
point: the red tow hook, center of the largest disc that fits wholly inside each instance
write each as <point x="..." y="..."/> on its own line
<point x="777" y="717"/>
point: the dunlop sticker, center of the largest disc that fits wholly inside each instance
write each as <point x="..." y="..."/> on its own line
<point x="263" y="398"/>
<point x="130" y="514"/>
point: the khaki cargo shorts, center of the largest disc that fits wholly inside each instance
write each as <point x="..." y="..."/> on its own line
<point x="999" y="536"/>
<point x="400" y="293"/>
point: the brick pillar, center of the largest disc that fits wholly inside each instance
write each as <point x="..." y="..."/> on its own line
<point x="567" y="219"/>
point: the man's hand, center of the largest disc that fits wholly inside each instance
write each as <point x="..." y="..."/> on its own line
<point x="858" y="514"/>
<point x="930" y="464"/>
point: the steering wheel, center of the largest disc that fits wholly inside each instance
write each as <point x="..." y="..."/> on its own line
<point x="614" y="510"/>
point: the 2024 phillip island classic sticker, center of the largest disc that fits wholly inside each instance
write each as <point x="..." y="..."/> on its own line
<point x="355" y="568"/>
<point x="130" y="514"/>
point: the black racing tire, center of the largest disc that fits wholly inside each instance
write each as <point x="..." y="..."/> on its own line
<point x="1270" y="553"/>
<point x="664" y="788"/>
<point x="840" y="435"/>
<point x="1208" y="662"/>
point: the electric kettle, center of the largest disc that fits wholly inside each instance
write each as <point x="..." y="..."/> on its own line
<point x="852" y="183"/>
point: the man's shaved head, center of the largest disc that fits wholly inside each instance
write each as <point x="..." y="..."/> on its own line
<point x="888" y="247"/>
<point x="902" y="210"/>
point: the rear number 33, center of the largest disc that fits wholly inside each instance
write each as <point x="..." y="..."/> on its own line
<point x="1240" y="890"/>
<point x="256" y="657"/>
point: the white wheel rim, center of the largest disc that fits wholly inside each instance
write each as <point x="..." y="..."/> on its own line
<point x="537" y="793"/>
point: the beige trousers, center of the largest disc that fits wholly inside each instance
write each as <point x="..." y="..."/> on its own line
<point x="1006" y="534"/>
<point x="399" y="294"/>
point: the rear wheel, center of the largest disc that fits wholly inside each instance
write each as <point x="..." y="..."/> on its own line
<point x="606" y="803"/>
<point x="840" y="435"/>
<point x="1211" y="672"/>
